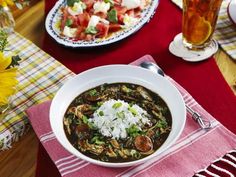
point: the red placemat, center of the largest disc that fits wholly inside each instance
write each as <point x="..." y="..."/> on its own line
<point x="202" y="80"/>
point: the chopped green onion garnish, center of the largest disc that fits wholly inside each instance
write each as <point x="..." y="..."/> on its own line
<point x="93" y="92"/>
<point x="85" y="119"/>
<point x="117" y="105"/>
<point x="120" y="115"/>
<point x="101" y="113"/>
<point x="133" y="111"/>
<point x="99" y="103"/>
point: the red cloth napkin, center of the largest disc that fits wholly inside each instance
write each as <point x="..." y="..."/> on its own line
<point x="193" y="144"/>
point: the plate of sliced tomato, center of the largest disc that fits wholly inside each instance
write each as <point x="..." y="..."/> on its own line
<point x="91" y="23"/>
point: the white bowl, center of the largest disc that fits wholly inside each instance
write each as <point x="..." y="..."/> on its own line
<point x="116" y="74"/>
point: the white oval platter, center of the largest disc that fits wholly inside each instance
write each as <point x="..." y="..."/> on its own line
<point x="54" y="16"/>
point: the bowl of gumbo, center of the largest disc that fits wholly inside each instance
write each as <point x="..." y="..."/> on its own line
<point x="118" y="119"/>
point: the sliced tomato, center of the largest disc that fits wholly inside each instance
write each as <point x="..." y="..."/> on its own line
<point x="114" y="27"/>
<point x="117" y="1"/>
<point x="83" y="19"/>
<point x="137" y="12"/>
<point x="82" y="36"/>
<point x="120" y="9"/>
<point x="64" y="18"/>
<point x="89" y="4"/>
<point x="74" y="21"/>
<point x="102" y="30"/>
<point x="88" y="37"/>
<point x="120" y="18"/>
<point x="134" y="13"/>
<point x="144" y="3"/>
<point x="102" y="15"/>
<point x="130" y="12"/>
<point x="80" y="29"/>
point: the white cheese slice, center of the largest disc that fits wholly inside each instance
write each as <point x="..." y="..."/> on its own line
<point x="131" y="4"/>
<point x="104" y="21"/>
<point x="77" y="8"/>
<point x="94" y="20"/>
<point x="129" y="21"/>
<point x="69" y="32"/>
<point x="101" y="6"/>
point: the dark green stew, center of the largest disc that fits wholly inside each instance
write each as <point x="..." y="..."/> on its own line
<point x="144" y="113"/>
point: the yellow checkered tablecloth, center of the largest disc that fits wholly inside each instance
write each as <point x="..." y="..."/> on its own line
<point x="225" y="32"/>
<point x="39" y="76"/>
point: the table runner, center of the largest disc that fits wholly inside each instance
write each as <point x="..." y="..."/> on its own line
<point x="194" y="143"/>
<point x="225" y="32"/>
<point x="39" y="76"/>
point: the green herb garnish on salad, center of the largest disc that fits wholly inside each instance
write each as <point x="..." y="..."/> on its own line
<point x="91" y="30"/>
<point x="71" y="2"/>
<point x="112" y="16"/>
<point x="109" y="1"/>
<point x="69" y="22"/>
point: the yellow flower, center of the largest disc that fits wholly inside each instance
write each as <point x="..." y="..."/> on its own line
<point x="4" y="62"/>
<point x="7" y="79"/>
<point x="5" y="3"/>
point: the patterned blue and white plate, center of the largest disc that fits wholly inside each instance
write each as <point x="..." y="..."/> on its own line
<point x="53" y="29"/>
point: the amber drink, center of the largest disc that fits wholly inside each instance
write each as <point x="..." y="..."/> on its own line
<point x="199" y="21"/>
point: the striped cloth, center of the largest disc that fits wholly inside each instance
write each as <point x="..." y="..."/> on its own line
<point x="225" y="32"/>
<point x="40" y="76"/>
<point x="195" y="149"/>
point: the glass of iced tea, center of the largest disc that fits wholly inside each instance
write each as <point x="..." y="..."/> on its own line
<point x="199" y="21"/>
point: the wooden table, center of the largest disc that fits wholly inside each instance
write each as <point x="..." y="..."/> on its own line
<point x="20" y="161"/>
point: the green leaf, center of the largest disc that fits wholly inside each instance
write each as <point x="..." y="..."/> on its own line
<point x="109" y="1"/>
<point x="14" y="62"/>
<point x="117" y="105"/>
<point x="71" y="2"/>
<point x="91" y="30"/>
<point x="69" y="22"/>
<point x="112" y="16"/>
